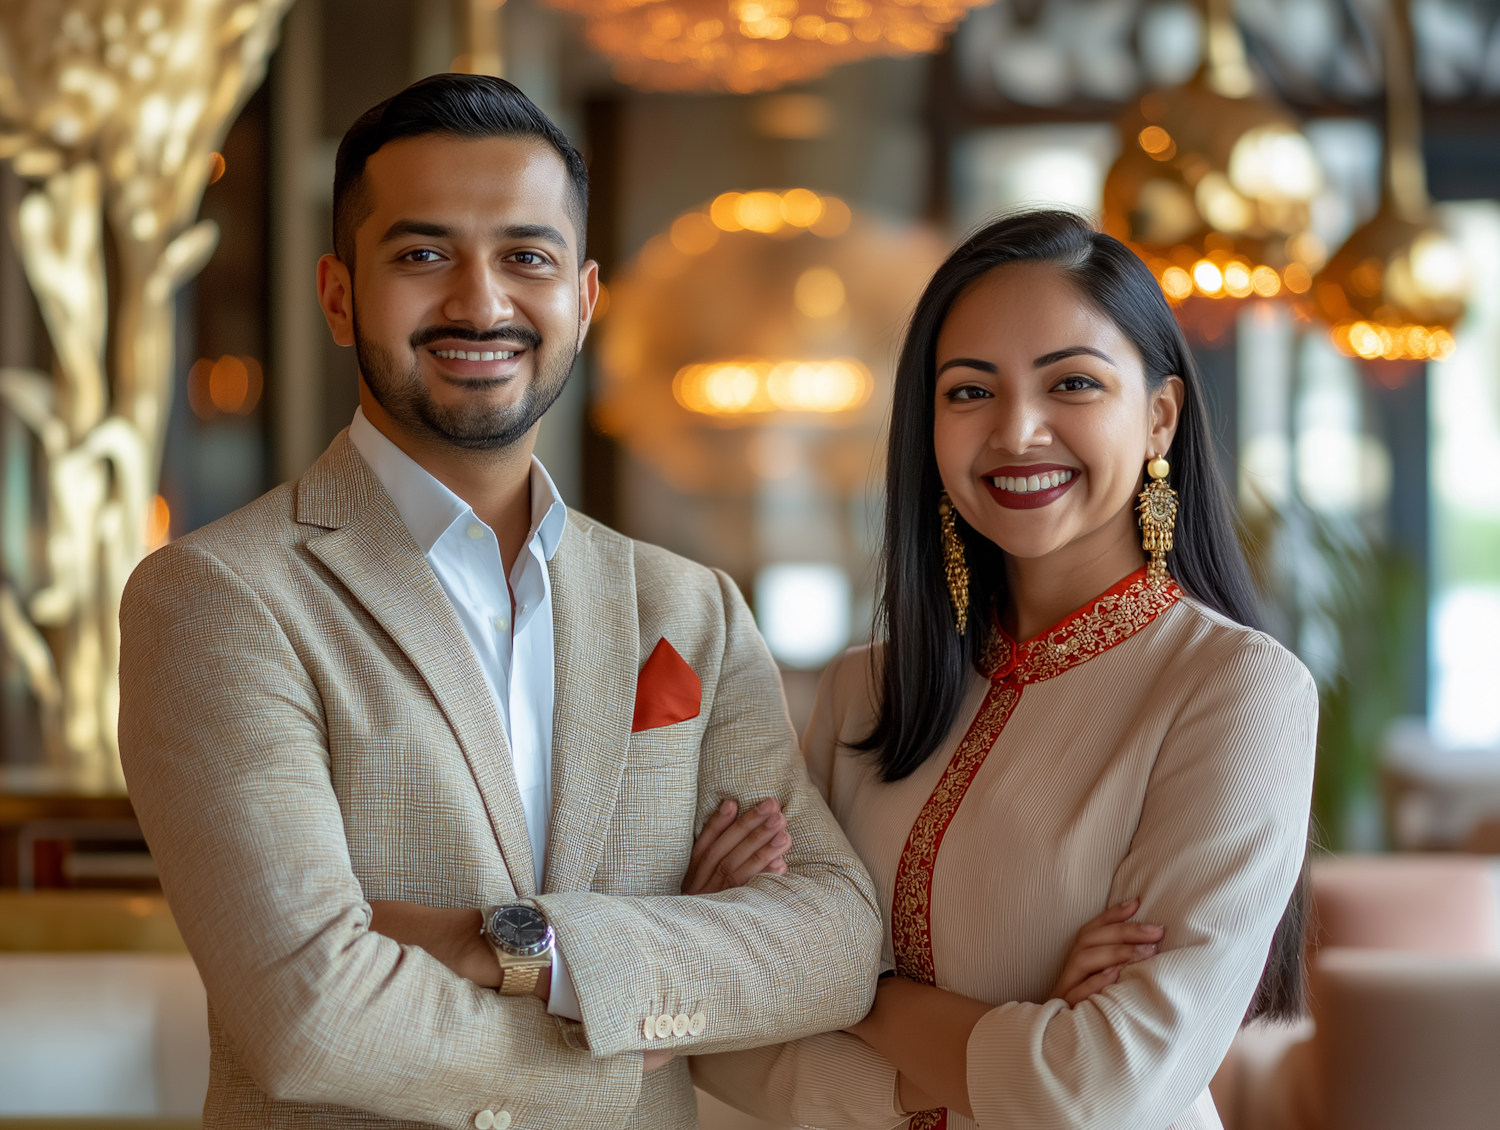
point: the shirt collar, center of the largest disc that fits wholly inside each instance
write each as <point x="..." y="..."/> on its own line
<point x="428" y="507"/>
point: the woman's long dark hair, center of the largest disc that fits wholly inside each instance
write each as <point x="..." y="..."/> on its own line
<point x="926" y="664"/>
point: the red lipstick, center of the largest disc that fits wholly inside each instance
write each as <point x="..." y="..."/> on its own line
<point x="1030" y="499"/>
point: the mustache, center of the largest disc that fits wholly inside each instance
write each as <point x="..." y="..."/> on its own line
<point x="524" y="336"/>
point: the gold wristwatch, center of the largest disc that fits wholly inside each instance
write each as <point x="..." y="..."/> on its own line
<point x="522" y="940"/>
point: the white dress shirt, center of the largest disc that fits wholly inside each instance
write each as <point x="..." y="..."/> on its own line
<point x="509" y="626"/>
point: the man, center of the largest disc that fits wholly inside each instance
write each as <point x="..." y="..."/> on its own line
<point x="414" y="678"/>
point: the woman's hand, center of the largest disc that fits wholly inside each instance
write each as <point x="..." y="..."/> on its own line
<point x="732" y="849"/>
<point x="924" y="1032"/>
<point x="1105" y="946"/>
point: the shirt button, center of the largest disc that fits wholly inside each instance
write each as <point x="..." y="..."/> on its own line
<point x="649" y="1028"/>
<point x="484" y="1120"/>
<point x="475" y="531"/>
<point x="663" y="1026"/>
<point x="502" y="1119"/>
<point x="696" y="1024"/>
<point x="501" y="623"/>
<point x="680" y="1024"/>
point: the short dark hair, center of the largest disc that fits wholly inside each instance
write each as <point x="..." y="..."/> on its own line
<point x="469" y="107"/>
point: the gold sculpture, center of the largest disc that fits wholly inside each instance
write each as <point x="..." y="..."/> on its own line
<point x="112" y="109"/>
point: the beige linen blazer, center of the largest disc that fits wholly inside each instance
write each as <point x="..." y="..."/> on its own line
<point x="304" y="727"/>
<point x="1175" y="766"/>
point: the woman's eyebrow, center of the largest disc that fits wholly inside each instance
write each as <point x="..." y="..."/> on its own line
<point x="1071" y="351"/>
<point x="967" y="363"/>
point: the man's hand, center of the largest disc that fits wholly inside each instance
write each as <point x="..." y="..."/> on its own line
<point x="451" y="936"/>
<point x="732" y="849"/>
<point x="1105" y="946"/>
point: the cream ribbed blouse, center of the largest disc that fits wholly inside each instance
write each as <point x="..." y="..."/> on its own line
<point x="1174" y="762"/>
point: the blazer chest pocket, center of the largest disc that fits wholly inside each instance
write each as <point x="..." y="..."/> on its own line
<point x="668" y="751"/>
<point x="652" y="829"/>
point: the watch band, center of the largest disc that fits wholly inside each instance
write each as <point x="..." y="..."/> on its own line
<point x="519" y="980"/>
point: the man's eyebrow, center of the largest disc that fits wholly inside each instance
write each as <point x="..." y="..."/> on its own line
<point x="415" y="227"/>
<point x="967" y="363"/>
<point x="545" y="233"/>
<point x="1071" y="351"/>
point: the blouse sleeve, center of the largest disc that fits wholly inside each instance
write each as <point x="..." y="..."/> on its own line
<point x="1214" y="859"/>
<point x="832" y="1081"/>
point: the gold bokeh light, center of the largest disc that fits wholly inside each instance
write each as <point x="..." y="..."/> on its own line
<point x="750" y="45"/>
<point x="757" y="385"/>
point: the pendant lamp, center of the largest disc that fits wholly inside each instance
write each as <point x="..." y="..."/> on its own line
<point x="1395" y="288"/>
<point x="749" y="45"/>
<point x="1213" y="184"/>
<point x="753" y="325"/>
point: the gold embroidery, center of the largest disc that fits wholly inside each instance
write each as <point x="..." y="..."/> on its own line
<point x="911" y="907"/>
<point x="1115" y="616"/>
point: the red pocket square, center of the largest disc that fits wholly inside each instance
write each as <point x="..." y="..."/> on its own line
<point x="666" y="691"/>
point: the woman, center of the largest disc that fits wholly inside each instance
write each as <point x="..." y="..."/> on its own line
<point x="1072" y="706"/>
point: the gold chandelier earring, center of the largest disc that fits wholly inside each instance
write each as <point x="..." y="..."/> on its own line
<point x="1158" y="511"/>
<point x="955" y="568"/>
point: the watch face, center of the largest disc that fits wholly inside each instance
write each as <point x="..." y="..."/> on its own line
<point x="521" y="929"/>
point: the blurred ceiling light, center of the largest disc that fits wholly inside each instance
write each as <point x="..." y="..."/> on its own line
<point x="819" y="292"/>
<point x="749" y="384"/>
<point x="1397" y="286"/>
<point x="158" y="524"/>
<point x="796" y="117"/>
<point x="781" y="323"/>
<point x="751" y="45"/>
<point x="231" y="385"/>
<point x="803" y="612"/>
<point x="694" y="233"/>
<point x="766" y="212"/>
<point x="1213" y="185"/>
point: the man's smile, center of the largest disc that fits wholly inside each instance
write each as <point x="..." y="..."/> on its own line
<point x="474" y="354"/>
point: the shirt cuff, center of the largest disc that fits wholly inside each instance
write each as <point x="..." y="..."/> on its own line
<point x="562" y="997"/>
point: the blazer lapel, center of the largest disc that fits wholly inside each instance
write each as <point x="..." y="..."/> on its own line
<point x="370" y="549"/>
<point x="596" y="642"/>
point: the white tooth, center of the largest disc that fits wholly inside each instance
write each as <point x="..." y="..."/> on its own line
<point x="487" y="355"/>
<point x="1008" y="483"/>
<point x="471" y="355"/>
<point x="506" y="356"/>
<point x="1053" y="479"/>
<point x="1065" y="477"/>
<point x="1033" y="483"/>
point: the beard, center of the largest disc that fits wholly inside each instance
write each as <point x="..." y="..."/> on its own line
<point x="472" y="426"/>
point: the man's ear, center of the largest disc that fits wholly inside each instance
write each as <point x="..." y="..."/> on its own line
<point x="1166" y="414"/>
<point x="588" y="297"/>
<point x="336" y="296"/>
